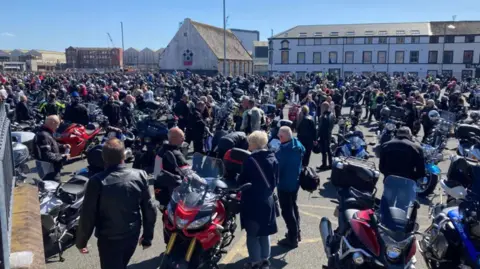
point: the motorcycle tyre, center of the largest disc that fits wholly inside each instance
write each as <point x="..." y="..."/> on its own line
<point x="432" y="183"/>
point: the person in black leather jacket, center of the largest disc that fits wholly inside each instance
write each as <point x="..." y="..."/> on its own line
<point x="230" y="141"/>
<point x="325" y="127"/>
<point x="306" y="133"/>
<point x="127" y="111"/>
<point x="117" y="204"/>
<point x="22" y="111"/>
<point x="182" y="111"/>
<point x="46" y="150"/>
<point x="76" y="112"/>
<point x="197" y="127"/>
<point x="113" y="112"/>
<point x="402" y="157"/>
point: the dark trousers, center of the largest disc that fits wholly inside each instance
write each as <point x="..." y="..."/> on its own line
<point x="367" y="109"/>
<point x="115" y="254"/>
<point x="288" y="204"/>
<point x="372" y="112"/>
<point x="198" y="145"/>
<point x="306" y="156"/>
<point x="326" y="151"/>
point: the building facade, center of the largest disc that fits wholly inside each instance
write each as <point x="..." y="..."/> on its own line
<point x="34" y="60"/>
<point x="450" y="48"/>
<point x="199" y="48"/>
<point x="247" y="38"/>
<point x="91" y="58"/>
<point x="260" y="57"/>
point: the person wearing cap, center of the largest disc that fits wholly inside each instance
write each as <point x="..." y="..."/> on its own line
<point x="402" y="157"/>
<point x="76" y="112"/>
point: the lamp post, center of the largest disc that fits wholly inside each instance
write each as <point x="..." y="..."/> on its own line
<point x="224" y="41"/>
<point x="449" y="26"/>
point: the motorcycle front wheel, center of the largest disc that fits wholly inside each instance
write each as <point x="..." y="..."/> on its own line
<point x="427" y="185"/>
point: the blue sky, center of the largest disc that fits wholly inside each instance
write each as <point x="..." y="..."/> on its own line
<point x="57" y="24"/>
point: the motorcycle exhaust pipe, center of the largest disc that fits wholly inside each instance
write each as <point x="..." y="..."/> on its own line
<point x="326" y="232"/>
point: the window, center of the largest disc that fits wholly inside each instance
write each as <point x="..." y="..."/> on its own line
<point x="415" y="40"/>
<point x="347" y="73"/>
<point x="333" y="41"/>
<point x="317" y="57"/>
<point x="318" y="34"/>
<point x="432" y="73"/>
<point x="302" y="35"/>
<point x="349" y="57"/>
<point x="469" y="39"/>
<point x="434" y="39"/>
<point x="302" y="42"/>
<point x="300" y="57"/>
<point x="368" y="40"/>
<point x="400" y="40"/>
<point x="382" y="57"/>
<point x="415" y="32"/>
<point x="414" y="57"/>
<point x="450" y="39"/>
<point x="349" y="40"/>
<point x="367" y="57"/>
<point x="468" y="56"/>
<point x="369" y="33"/>
<point x="447" y="73"/>
<point x="398" y="74"/>
<point x="301" y="74"/>
<point x="334" y="34"/>
<point x="317" y="41"/>
<point x="285" y="57"/>
<point x="285" y="44"/>
<point x="332" y="57"/>
<point x="448" y="57"/>
<point x="399" y="57"/>
<point x="400" y="32"/>
<point x="433" y="57"/>
<point x="382" y="40"/>
<point x="467" y="73"/>
<point x="382" y="33"/>
<point x="350" y="33"/>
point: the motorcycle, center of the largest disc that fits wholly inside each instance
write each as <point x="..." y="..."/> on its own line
<point x="351" y="145"/>
<point x="60" y="206"/>
<point x="200" y="220"/>
<point x="451" y="241"/>
<point x="388" y="131"/>
<point x="125" y="136"/>
<point x="79" y="137"/>
<point x="427" y="184"/>
<point x="382" y="237"/>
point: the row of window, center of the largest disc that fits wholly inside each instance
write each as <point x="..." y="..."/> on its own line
<point x="381" y="57"/>
<point x="379" y="40"/>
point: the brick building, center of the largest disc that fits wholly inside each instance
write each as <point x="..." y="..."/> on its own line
<point x="104" y="58"/>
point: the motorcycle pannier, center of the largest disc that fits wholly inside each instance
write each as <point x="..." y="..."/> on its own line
<point x="351" y="172"/>
<point x="463" y="131"/>
<point x="233" y="160"/>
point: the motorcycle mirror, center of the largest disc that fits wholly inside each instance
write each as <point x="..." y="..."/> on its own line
<point x="244" y="187"/>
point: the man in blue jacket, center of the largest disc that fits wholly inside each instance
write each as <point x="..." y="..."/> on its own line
<point x="289" y="158"/>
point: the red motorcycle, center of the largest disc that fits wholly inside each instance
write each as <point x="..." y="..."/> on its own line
<point x="383" y="237"/>
<point x="200" y="220"/>
<point x="77" y="136"/>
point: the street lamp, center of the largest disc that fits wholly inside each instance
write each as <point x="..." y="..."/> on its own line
<point x="451" y="27"/>
<point x="224" y="41"/>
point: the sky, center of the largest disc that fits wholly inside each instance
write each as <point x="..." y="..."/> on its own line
<point x="58" y="24"/>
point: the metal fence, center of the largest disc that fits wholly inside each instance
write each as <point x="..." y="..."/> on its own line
<point x="6" y="188"/>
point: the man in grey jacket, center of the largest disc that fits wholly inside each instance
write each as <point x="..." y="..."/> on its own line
<point x="253" y="118"/>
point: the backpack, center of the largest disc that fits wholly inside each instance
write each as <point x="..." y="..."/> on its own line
<point x="309" y="180"/>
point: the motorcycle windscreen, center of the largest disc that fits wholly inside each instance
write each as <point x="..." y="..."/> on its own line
<point x="357" y="146"/>
<point x="397" y="203"/>
<point x="207" y="167"/>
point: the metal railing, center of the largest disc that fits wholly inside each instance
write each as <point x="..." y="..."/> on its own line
<point x="6" y="188"/>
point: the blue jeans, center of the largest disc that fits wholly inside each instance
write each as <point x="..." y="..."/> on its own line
<point x="258" y="248"/>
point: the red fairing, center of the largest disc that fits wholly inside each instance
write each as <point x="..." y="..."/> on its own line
<point x="77" y="137"/>
<point x="364" y="233"/>
<point x="185" y="213"/>
<point x="413" y="249"/>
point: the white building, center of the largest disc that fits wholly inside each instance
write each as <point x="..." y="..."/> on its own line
<point x="199" y="48"/>
<point x="260" y="57"/>
<point x="142" y="59"/>
<point x="452" y="48"/>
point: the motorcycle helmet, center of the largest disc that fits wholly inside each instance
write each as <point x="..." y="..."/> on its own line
<point x="385" y="112"/>
<point x="444" y="99"/>
<point x="433" y="115"/>
<point x="475" y="115"/>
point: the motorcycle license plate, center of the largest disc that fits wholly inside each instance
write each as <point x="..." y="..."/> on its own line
<point x="336" y="212"/>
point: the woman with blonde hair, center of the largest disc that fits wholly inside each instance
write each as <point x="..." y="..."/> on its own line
<point x="258" y="210"/>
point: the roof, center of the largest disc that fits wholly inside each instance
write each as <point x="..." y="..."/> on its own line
<point x="246" y="31"/>
<point x="86" y="48"/>
<point x="50" y="51"/>
<point x="130" y="49"/>
<point x="160" y="51"/>
<point x="461" y="27"/>
<point x="260" y="43"/>
<point x="352" y="30"/>
<point x="213" y="36"/>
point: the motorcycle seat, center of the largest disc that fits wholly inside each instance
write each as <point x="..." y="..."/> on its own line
<point x="73" y="188"/>
<point x="451" y="183"/>
<point x="350" y="214"/>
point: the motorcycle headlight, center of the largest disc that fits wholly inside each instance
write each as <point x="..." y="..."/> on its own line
<point x="393" y="252"/>
<point x="390" y="126"/>
<point x="199" y="223"/>
<point x="181" y="223"/>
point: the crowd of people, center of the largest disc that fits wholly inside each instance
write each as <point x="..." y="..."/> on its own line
<point x="117" y="203"/>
